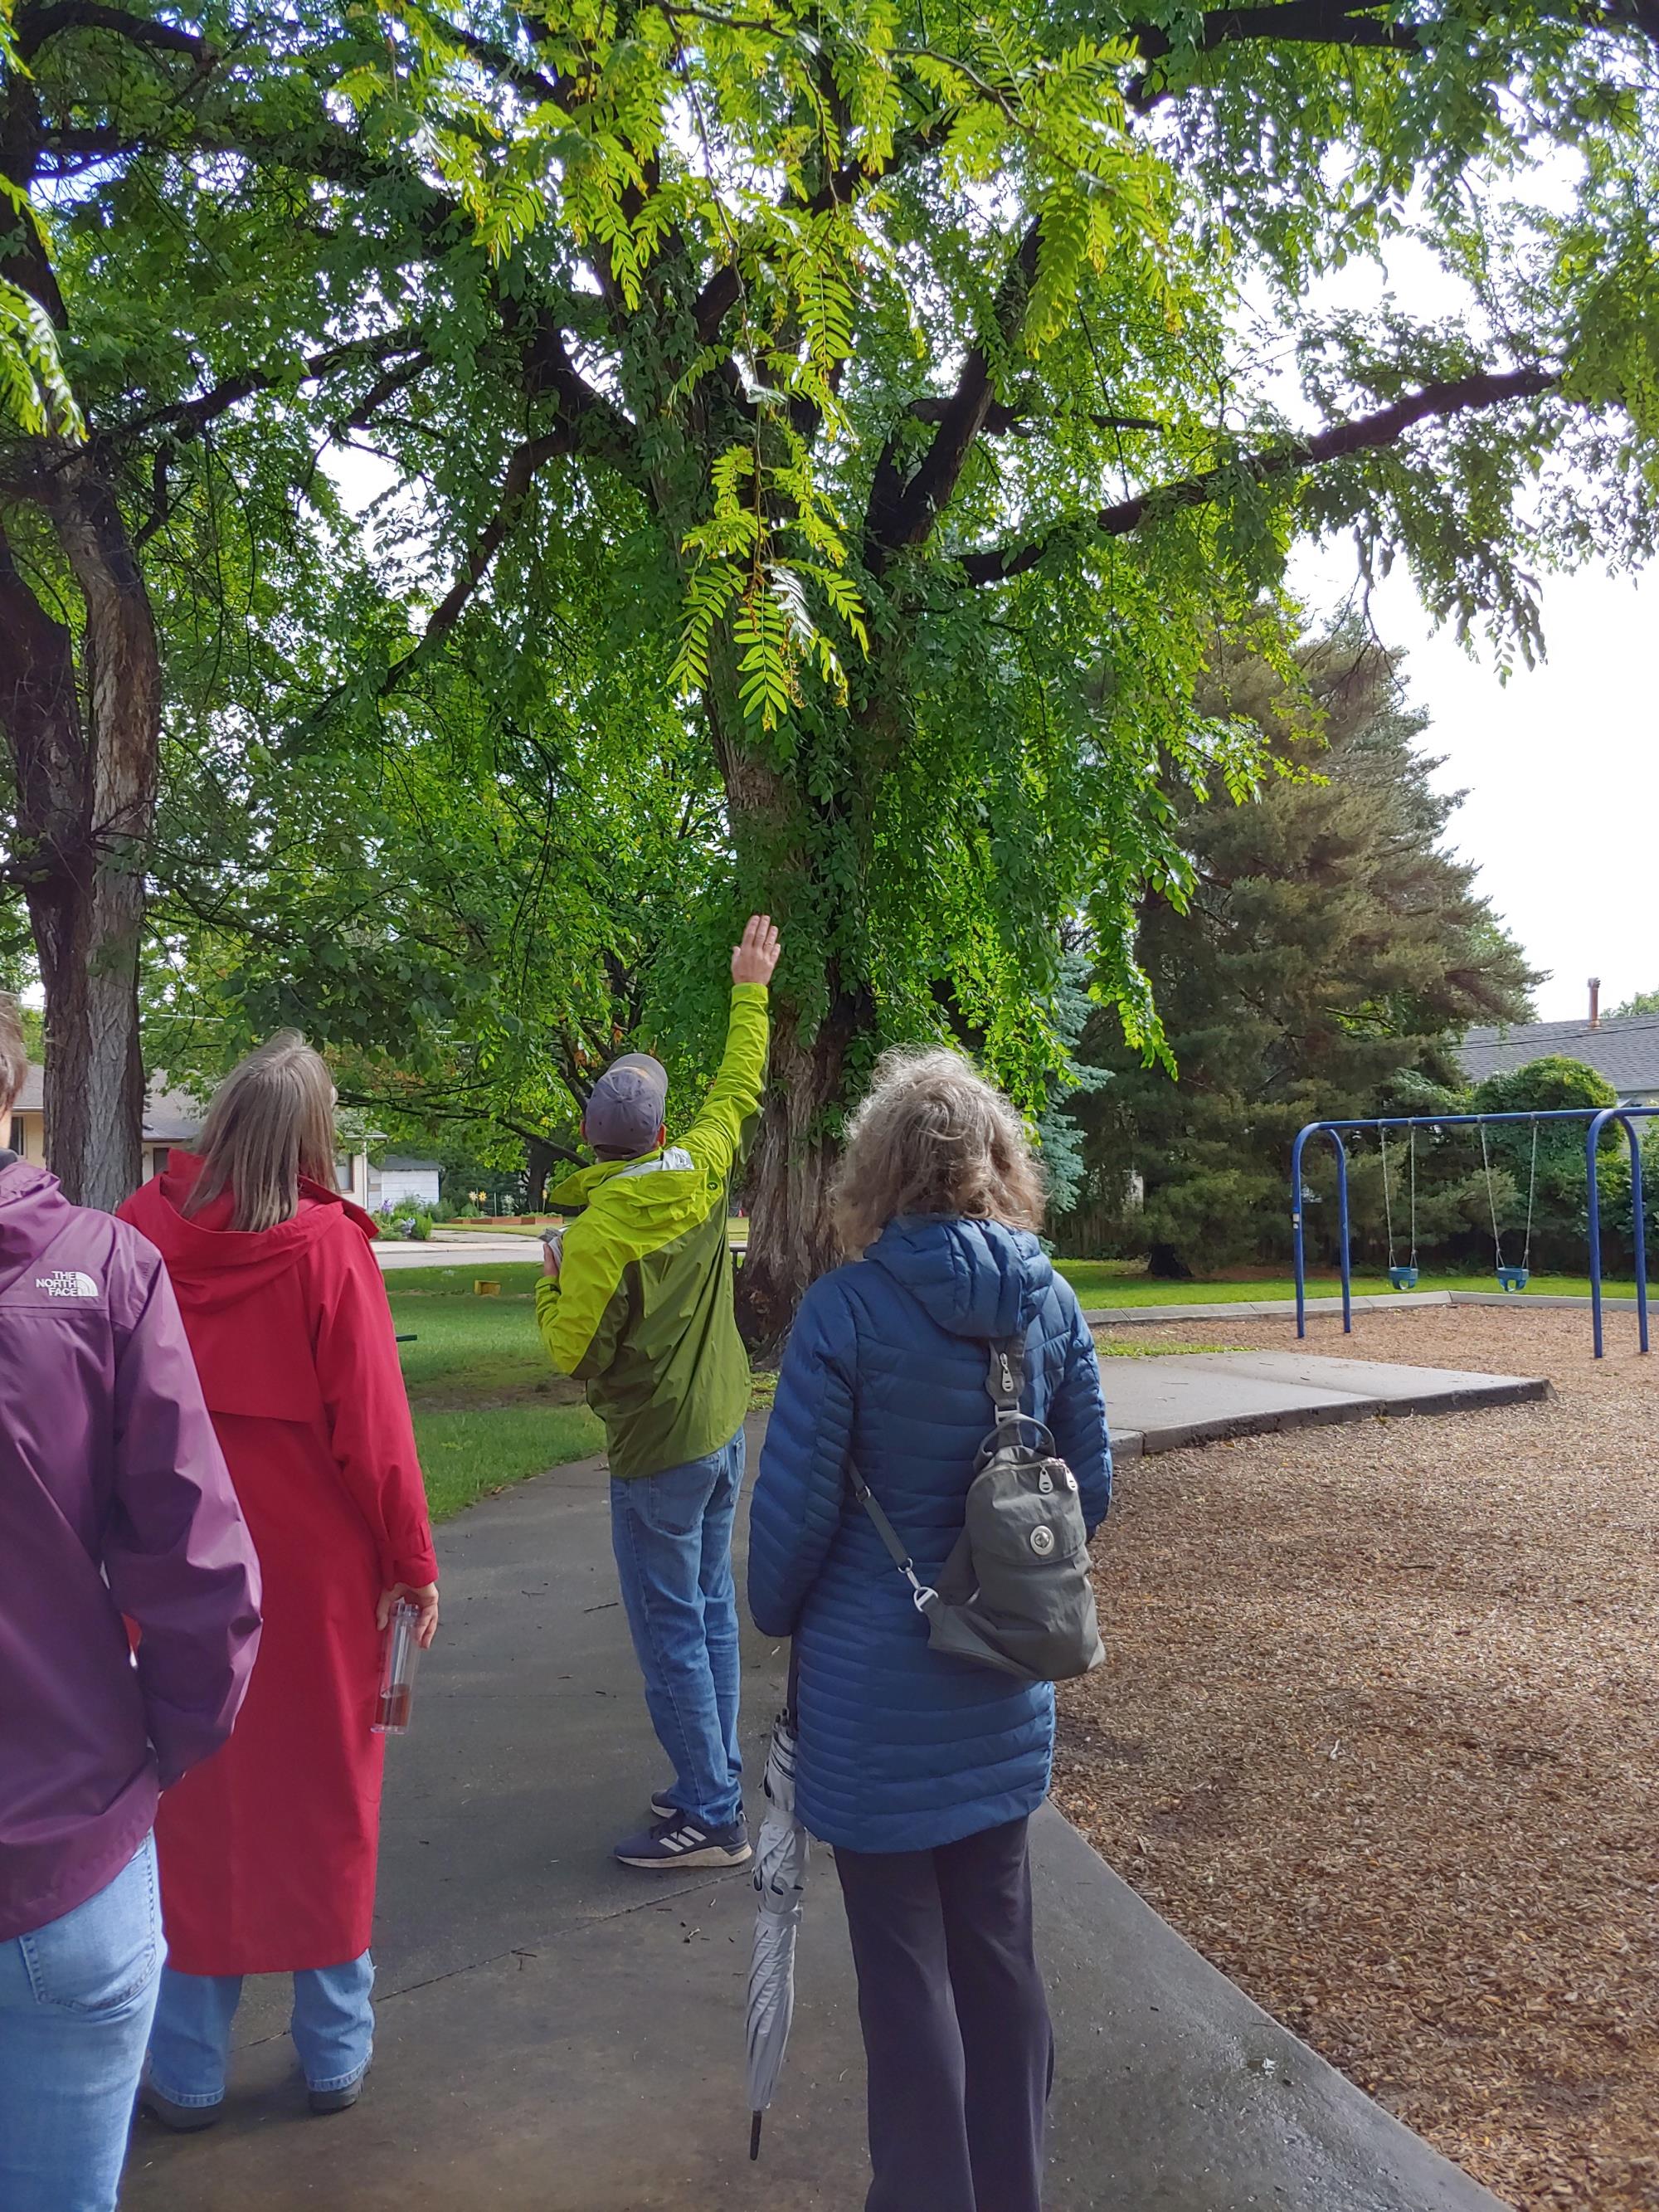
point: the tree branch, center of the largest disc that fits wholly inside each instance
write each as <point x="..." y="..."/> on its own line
<point x="1354" y="24"/>
<point x="903" y="513"/>
<point x="550" y="373"/>
<point x="36" y="25"/>
<point x="507" y="65"/>
<point x="533" y="454"/>
<point x="71" y="150"/>
<point x="1298" y="22"/>
<point x="1019" y="422"/>
<point x="1363" y="434"/>
<point x="188" y="418"/>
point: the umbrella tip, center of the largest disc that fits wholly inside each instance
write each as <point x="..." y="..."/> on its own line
<point x="754" y="2120"/>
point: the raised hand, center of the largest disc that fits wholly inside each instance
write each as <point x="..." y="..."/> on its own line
<point x="754" y="960"/>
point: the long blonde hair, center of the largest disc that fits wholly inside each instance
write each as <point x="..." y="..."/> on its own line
<point x="271" y="1122"/>
<point x="933" y="1137"/>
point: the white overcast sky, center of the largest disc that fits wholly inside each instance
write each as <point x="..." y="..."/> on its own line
<point x="1560" y="767"/>
<point x="1558" y="763"/>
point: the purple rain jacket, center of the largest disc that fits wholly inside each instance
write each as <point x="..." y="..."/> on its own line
<point x="114" y="1499"/>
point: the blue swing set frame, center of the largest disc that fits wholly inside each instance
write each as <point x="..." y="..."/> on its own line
<point x="1596" y="1119"/>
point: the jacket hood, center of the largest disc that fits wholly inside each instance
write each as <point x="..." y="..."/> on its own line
<point x="233" y="1261"/>
<point x="33" y="1210"/>
<point x="646" y="1174"/>
<point x="975" y="1279"/>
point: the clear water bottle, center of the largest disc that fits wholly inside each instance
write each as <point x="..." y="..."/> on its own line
<point x="402" y="1656"/>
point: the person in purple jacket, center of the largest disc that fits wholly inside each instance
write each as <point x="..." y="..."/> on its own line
<point x="115" y="1507"/>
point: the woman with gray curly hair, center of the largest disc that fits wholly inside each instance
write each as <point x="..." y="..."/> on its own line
<point x="923" y="1770"/>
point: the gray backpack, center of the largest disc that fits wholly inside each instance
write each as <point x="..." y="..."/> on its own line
<point x="1015" y="1594"/>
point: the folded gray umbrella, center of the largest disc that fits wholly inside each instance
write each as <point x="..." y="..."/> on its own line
<point x="781" y="1856"/>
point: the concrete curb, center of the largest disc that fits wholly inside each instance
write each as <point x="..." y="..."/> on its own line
<point x="1146" y="1443"/>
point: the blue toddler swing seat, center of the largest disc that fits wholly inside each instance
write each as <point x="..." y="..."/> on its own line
<point x="1399" y="1278"/>
<point x="1509" y="1278"/>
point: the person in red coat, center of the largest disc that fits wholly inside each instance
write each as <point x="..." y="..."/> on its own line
<point x="268" y="1849"/>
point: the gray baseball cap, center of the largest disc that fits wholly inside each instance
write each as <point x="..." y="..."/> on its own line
<point x="627" y="1106"/>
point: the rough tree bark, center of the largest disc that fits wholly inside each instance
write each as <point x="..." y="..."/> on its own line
<point x="791" y="1239"/>
<point x="84" y="748"/>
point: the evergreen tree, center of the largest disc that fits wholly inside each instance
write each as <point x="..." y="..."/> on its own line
<point x="1060" y="1135"/>
<point x="1328" y="949"/>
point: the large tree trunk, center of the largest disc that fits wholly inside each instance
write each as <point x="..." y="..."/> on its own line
<point x="792" y="1238"/>
<point x="539" y="1159"/>
<point x="85" y="756"/>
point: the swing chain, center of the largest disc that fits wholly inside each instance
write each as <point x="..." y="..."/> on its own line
<point x="1411" y="1155"/>
<point x="1492" y="1198"/>
<point x="1532" y="1193"/>
<point x="1388" y="1205"/>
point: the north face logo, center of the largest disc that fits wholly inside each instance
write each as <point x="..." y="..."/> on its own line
<point x="67" y="1283"/>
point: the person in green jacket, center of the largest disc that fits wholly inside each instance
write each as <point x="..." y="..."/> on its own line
<point x="636" y="1302"/>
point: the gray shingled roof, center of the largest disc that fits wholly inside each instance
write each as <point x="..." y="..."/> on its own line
<point x="171" y="1117"/>
<point x="1624" y="1050"/>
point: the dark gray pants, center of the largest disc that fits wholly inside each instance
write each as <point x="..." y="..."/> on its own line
<point x="955" y="2024"/>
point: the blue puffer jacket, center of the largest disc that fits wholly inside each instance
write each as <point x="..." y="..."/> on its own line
<point x="900" y="1749"/>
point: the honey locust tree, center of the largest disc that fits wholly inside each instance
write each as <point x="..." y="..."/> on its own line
<point x="956" y="379"/>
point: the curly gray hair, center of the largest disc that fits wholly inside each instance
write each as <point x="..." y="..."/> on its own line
<point x="932" y="1137"/>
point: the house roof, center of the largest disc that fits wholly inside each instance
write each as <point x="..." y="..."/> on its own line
<point x="171" y="1117"/>
<point x="1625" y="1049"/>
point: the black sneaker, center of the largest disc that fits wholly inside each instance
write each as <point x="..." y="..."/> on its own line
<point x="680" y="1841"/>
<point x="183" y="2119"/>
<point x="324" y="2101"/>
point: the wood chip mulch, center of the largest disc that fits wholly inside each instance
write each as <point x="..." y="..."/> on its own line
<point x="1378" y="1735"/>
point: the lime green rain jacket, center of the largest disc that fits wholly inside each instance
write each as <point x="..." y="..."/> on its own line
<point x="641" y="1310"/>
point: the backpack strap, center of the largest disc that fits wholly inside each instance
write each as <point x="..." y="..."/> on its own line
<point x="1006" y="1380"/>
<point x="920" y="1597"/>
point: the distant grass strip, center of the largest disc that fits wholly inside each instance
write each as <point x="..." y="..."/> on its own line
<point x="1153" y="1350"/>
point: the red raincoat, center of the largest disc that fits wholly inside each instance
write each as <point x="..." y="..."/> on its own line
<point x="268" y="1849"/>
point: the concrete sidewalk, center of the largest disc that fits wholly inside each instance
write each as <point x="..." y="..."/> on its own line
<point x="484" y="1252"/>
<point x="1164" y="1404"/>
<point x="556" y="2033"/>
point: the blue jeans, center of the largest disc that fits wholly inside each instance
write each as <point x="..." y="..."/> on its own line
<point x="75" y="2000"/>
<point x="332" y="2026"/>
<point x="672" y="1535"/>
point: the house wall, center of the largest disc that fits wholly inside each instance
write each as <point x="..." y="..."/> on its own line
<point x="394" y="1187"/>
<point x="29" y="1141"/>
<point x="351" y="1177"/>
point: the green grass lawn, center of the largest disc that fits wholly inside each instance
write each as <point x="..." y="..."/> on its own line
<point x="489" y="1410"/>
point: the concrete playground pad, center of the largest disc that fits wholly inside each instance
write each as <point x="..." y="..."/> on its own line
<point x="558" y="2033"/>
<point x="1201" y="1397"/>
